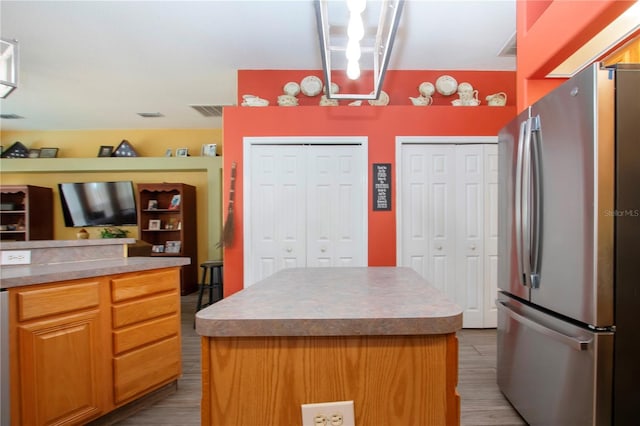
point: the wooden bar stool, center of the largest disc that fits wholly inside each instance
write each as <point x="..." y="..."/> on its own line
<point x="212" y="268"/>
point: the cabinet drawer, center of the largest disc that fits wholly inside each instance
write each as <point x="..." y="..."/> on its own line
<point x="146" y="368"/>
<point x="144" y="283"/>
<point x="43" y="302"/>
<point x="145" y="333"/>
<point x="145" y="309"/>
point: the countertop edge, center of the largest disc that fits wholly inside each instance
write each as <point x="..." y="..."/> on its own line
<point x="26" y="275"/>
<point x="328" y="327"/>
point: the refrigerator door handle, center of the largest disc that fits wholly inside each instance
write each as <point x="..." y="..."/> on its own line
<point x="572" y="342"/>
<point x="536" y="201"/>
<point x="526" y="236"/>
<point x="518" y="203"/>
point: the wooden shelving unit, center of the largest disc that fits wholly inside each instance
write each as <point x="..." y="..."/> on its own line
<point x="170" y="228"/>
<point x="26" y="213"/>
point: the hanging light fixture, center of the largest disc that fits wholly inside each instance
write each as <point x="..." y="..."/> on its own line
<point x="8" y="67"/>
<point x="356" y="48"/>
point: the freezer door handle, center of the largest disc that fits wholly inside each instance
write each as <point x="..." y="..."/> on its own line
<point x="572" y="342"/>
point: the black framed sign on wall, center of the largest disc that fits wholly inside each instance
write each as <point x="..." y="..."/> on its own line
<point x="381" y="186"/>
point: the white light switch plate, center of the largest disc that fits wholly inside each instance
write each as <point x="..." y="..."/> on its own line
<point x="15" y="257"/>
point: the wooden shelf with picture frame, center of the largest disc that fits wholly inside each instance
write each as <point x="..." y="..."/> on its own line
<point x="167" y="221"/>
<point x="26" y="213"/>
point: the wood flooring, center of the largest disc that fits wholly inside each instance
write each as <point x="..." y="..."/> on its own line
<point x="481" y="401"/>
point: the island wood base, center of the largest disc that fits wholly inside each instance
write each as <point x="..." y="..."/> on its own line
<point x="392" y="379"/>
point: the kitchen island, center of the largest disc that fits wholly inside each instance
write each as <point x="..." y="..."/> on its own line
<point x="379" y="336"/>
<point x="88" y="331"/>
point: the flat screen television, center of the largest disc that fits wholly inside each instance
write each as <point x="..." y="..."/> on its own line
<point x="98" y="203"/>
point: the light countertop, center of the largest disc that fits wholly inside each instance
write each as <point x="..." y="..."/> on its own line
<point x="333" y="302"/>
<point x="21" y="275"/>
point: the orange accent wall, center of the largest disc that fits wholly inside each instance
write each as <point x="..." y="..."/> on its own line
<point x="549" y="32"/>
<point x="381" y="125"/>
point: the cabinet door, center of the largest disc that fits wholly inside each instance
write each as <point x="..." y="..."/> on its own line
<point x="60" y="370"/>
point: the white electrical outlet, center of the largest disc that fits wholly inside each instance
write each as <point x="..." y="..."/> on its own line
<point x="16" y="257"/>
<point x="339" y="413"/>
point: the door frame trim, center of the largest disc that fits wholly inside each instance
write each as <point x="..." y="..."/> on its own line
<point x="248" y="143"/>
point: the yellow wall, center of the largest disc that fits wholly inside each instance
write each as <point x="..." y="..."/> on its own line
<point x="147" y="143"/>
<point x="86" y="143"/>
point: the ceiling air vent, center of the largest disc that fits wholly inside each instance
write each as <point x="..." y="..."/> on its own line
<point x="10" y="116"/>
<point x="509" y="48"/>
<point x="209" y="110"/>
<point x="150" y="114"/>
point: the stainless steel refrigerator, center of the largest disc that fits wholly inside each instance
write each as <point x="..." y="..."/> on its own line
<point x="569" y="253"/>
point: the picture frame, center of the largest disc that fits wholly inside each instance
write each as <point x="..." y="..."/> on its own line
<point x="157" y="248"/>
<point x="16" y="150"/>
<point x="175" y="202"/>
<point x="154" y="224"/>
<point x="182" y="152"/>
<point x="124" y="149"/>
<point x="209" y="150"/>
<point x="105" y="151"/>
<point x="34" y="153"/>
<point x="152" y="205"/>
<point x="168" y="152"/>
<point x="172" y="247"/>
<point x="48" y="152"/>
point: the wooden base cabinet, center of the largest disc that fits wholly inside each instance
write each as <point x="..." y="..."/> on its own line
<point x="80" y="349"/>
<point x="58" y="373"/>
<point x="146" y="333"/>
<point x="393" y="380"/>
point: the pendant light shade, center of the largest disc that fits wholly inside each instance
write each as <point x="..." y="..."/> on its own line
<point x="357" y="38"/>
<point x="8" y="67"/>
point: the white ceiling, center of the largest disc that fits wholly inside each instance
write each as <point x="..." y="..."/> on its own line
<point x="96" y="64"/>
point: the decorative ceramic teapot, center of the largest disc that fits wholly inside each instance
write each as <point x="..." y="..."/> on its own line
<point x="465" y="87"/>
<point x="421" y="100"/>
<point x="426" y="89"/>
<point x="469" y="98"/>
<point x="497" y="99"/>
